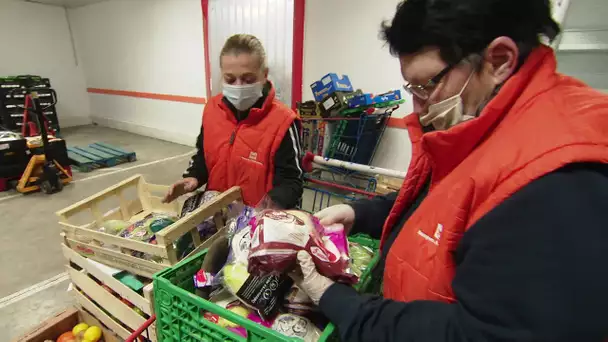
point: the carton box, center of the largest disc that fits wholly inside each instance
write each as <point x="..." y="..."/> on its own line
<point x="329" y="84"/>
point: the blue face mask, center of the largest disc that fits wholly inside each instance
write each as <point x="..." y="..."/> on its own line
<point x="243" y="97"/>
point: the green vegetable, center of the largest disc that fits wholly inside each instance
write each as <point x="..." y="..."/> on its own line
<point x="114" y="227"/>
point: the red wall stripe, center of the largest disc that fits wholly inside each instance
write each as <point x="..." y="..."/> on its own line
<point x="299" y="11"/>
<point x="153" y="96"/>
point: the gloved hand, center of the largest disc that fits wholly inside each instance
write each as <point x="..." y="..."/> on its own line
<point x="180" y="188"/>
<point x="341" y="213"/>
<point x="308" y="279"/>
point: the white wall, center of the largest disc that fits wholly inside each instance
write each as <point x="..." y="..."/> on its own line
<point x="153" y="46"/>
<point x="35" y="40"/>
<point x="342" y="36"/>
<point x="583" y="47"/>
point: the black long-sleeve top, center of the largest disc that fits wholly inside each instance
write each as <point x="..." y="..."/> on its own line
<point x="288" y="175"/>
<point x="532" y="269"/>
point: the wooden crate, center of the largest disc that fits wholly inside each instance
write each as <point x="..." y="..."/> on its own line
<point x="132" y="200"/>
<point x="53" y="327"/>
<point x="92" y="296"/>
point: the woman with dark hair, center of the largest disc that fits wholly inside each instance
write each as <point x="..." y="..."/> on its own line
<point x="248" y="138"/>
<point x="499" y="230"/>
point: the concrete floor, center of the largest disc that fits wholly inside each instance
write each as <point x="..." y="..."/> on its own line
<point x="30" y="250"/>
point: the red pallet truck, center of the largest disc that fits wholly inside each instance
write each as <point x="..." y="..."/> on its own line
<point x="43" y="172"/>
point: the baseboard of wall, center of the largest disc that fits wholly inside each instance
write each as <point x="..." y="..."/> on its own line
<point x="178" y="138"/>
<point x="72" y="121"/>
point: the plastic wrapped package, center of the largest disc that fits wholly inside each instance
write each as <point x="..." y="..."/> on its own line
<point x="296" y="326"/>
<point x="360" y="257"/>
<point x="206" y="229"/>
<point x="279" y="235"/>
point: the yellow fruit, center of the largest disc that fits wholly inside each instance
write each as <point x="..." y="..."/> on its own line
<point x="93" y="334"/>
<point x="79" y="328"/>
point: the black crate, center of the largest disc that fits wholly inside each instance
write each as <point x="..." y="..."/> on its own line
<point x="13" y="152"/>
<point x="57" y="150"/>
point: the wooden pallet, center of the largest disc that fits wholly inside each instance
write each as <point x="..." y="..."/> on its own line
<point x="97" y="155"/>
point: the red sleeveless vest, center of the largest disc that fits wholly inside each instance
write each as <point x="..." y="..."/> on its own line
<point x="243" y="153"/>
<point x="539" y="122"/>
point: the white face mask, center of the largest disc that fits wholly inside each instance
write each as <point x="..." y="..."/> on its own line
<point x="447" y="113"/>
<point x="243" y="97"/>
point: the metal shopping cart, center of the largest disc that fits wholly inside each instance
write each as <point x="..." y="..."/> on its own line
<point x="143" y="333"/>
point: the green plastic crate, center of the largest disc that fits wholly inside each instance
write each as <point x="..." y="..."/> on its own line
<point x="179" y="312"/>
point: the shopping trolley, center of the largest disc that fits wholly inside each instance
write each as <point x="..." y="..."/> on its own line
<point x="321" y="192"/>
<point x="142" y="334"/>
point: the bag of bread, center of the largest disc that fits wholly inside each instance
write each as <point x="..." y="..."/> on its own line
<point x="279" y="235"/>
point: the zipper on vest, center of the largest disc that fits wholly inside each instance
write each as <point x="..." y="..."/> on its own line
<point x="233" y="136"/>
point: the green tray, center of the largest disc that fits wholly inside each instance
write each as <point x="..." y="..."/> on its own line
<point x="179" y="312"/>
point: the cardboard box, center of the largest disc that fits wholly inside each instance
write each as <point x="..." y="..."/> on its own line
<point x="333" y="104"/>
<point x="362" y="100"/>
<point x="63" y="322"/>
<point x="330" y="84"/>
<point x="394" y="95"/>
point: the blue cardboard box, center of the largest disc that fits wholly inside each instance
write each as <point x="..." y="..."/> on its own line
<point x="329" y="84"/>
<point x="394" y="95"/>
<point x="361" y="101"/>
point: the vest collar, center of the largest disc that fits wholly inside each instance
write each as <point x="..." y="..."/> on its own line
<point x="255" y="114"/>
<point x="449" y="148"/>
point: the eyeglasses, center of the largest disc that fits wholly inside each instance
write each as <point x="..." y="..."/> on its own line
<point x="423" y="92"/>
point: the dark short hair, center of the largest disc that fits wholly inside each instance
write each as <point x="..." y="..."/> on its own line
<point x="460" y="28"/>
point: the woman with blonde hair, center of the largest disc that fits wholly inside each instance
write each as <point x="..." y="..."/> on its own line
<point x="248" y="138"/>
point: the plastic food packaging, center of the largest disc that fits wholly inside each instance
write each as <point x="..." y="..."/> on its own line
<point x="206" y="229"/>
<point x="296" y="326"/>
<point x="265" y="293"/>
<point x="114" y="227"/>
<point x="297" y="302"/>
<point x="279" y="235"/>
<point x="360" y="257"/>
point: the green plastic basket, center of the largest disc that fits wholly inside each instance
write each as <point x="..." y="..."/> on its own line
<point x="179" y="312"/>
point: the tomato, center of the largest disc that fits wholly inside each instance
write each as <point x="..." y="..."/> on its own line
<point x="67" y="337"/>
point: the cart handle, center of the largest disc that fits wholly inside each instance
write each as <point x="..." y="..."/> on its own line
<point x="341" y="187"/>
<point x="141" y="329"/>
<point x="310" y="158"/>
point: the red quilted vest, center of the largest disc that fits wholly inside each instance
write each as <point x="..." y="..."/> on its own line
<point x="539" y="122"/>
<point x="243" y="153"/>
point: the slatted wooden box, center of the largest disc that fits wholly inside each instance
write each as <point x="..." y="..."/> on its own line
<point x="132" y="200"/>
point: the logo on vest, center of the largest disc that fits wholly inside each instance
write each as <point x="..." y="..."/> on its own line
<point x="436" y="237"/>
<point x="252" y="158"/>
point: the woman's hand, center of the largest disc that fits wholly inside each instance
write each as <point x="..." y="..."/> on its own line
<point x="308" y="279"/>
<point x="180" y="188"/>
<point x="341" y="213"/>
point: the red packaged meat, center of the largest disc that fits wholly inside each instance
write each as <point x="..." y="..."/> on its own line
<point x="279" y="235"/>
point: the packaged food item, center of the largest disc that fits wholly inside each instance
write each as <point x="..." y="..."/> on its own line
<point x="297" y="302"/>
<point x="296" y="326"/>
<point x="279" y="235"/>
<point x="360" y="257"/>
<point x="114" y="227"/>
<point x="265" y="293"/>
<point x="206" y="229"/>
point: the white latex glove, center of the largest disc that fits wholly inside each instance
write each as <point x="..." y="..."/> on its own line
<point x="341" y="213"/>
<point x="309" y="280"/>
<point x="180" y="188"/>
